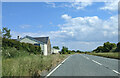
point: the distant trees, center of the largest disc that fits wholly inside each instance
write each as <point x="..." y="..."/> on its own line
<point x="65" y="50"/>
<point x="78" y="51"/>
<point x="108" y="47"/>
<point x="6" y="32"/>
<point x="73" y="51"/>
<point x="56" y="47"/>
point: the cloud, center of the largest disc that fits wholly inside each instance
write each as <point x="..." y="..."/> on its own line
<point x="39" y="26"/>
<point x="25" y="26"/>
<point x="32" y="34"/>
<point x="88" y="29"/>
<point x="80" y="5"/>
<point x="66" y="17"/>
<point x="112" y="5"/>
<point x="84" y="33"/>
<point x="76" y="4"/>
<point x="52" y="4"/>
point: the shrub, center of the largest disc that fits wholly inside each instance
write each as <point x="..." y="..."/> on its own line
<point x="16" y="45"/>
<point x="13" y="52"/>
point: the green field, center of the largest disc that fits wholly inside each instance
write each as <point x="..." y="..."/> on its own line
<point x="107" y="54"/>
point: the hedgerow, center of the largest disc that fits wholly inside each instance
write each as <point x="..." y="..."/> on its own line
<point x="10" y="43"/>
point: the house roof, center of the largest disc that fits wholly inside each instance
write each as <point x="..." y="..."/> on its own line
<point x="42" y="39"/>
<point x="38" y="39"/>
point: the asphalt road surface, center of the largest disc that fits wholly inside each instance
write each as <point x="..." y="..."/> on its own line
<point x="87" y="65"/>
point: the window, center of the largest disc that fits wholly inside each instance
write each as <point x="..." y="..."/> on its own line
<point x="37" y="44"/>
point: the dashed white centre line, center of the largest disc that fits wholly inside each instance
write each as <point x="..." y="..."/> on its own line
<point x="96" y="62"/>
<point x="116" y="71"/>
<point x="87" y="58"/>
<point x="101" y="64"/>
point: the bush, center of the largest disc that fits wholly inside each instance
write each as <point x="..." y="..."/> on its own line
<point x="64" y="50"/>
<point x="13" y="52"/>
<point x="16" y="45"/>
<point x="107" y="47"/>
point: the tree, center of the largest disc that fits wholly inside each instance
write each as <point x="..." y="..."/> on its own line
<point x="0" y="42"/>
<point x="78" y="51"/>
<point x="100" y="49"/>
<point x="56" y="47"/>
<point x="6" y="33"/>
<point x="108" y="46"/>
<point x="64" y="50"/>
<point x="73" y="50"/>
<point x="118" y="47"/>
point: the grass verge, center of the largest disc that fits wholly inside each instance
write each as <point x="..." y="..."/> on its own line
<point x="108" y="55"/>
<point x="29" y="65"/>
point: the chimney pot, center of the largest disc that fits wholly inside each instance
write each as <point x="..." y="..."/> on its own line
<point x="18" y="37"/>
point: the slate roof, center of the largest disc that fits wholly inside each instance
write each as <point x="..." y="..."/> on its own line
<point x="42" y="39"/>
<point x="38" y="39"/>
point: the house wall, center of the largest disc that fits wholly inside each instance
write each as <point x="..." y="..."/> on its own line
<point x="49" y="47"/>
<point x="54" y="50"/>
<point x="45" y="50"/>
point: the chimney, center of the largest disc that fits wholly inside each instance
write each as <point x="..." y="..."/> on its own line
<point x="18" y="37"/>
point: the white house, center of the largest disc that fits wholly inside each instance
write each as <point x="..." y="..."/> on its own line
<point x="43" y="42"/>
<point x="54" y="51"/>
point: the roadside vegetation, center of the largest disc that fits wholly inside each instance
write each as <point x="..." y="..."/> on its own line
<point x="108" y="55"/>
<point x="109" y="50"/>
<point x="23" y="64"/>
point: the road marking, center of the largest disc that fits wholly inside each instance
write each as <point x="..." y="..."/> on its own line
<point x="116" y="71"/>
<point x="87" y="58"/>
<point x="57" y="67"/>
<point x="103" y="65"/>
<point x="96" y="62"/>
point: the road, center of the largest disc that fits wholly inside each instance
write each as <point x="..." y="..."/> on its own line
<point x="87" y="65"/>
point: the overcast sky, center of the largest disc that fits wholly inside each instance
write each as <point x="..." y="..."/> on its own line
<point x="77" y="25"/>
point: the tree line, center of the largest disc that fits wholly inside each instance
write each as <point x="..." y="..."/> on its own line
<point x="108" y="47"/>
<point x="65" y="50"/>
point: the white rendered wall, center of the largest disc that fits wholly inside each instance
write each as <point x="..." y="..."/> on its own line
<point x="45" y="50"/>
<point x="54" y="50"/>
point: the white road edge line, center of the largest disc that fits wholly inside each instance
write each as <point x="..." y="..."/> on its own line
<point x="87" y="58"/>
<point x="96" y="62"/>
<point x="57" y="67"/>
<point x="116" y="71"/>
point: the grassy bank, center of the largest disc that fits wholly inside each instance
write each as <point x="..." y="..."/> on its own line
<point x="108" y="55"/>
<point x="29" y="65"/>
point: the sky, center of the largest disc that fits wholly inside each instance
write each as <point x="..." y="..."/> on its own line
<point x="77" y="25"/>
